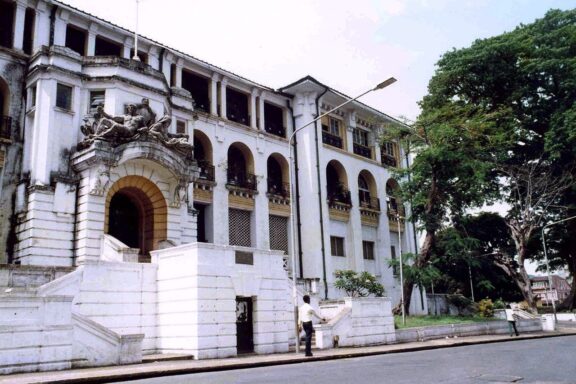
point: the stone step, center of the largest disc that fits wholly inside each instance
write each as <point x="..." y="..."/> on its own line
<point x="166" y="357"/>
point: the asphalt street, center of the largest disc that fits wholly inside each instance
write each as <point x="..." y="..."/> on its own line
<point x="523" y="361"/>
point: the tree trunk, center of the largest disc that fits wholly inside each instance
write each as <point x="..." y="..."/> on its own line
<point x="570" y="302"/>
<point x="421" y="261"/>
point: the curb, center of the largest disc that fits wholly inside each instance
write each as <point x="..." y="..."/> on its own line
<point x="164" y="372"/>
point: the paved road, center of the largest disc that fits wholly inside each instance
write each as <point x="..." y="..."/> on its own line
<point x="524" y="361"/>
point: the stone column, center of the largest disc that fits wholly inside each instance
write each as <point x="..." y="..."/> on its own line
<point x="153" y="58"/>
<point x="91" y="46"/>
<point x="179" y="65"/>
<point x="261" y="112"/>
<point x="128" y="45"/>
<point x="253" y="96"/>
<point x="350" y="122"/>
<point x="19" y="19"/>
<point x="223" y="84"/>
<point x="214" y="94"/>
<point x="41" y="26"/>
<point x="43" y="121"/>
<point x="60" y="27"/>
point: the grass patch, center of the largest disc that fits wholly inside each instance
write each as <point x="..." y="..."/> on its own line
<point x="427" y="321"/>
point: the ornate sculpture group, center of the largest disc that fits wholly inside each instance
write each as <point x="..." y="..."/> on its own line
<point x="138" y="124"/>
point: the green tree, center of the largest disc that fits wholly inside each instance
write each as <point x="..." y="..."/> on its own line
<point x="495" y="112"/>
<point x="358" y="284"/>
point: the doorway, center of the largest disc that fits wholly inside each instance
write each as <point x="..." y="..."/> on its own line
<point x="244" y="326"/>
<point x="126" y="220"/>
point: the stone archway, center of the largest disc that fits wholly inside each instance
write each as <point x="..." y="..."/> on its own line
<point x="136" y="214"/>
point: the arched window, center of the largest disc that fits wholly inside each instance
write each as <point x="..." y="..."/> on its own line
<point x="363" y="191"/>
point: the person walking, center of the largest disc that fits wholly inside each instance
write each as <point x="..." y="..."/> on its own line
<point x="510" y="316"/>
<point x="305" y="322"/>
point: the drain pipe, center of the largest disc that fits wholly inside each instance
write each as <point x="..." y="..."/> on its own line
<point x="296" y="198"/>
<point x="320" y="196"/>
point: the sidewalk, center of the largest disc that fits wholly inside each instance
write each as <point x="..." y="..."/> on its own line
<point x="177" y="367"/>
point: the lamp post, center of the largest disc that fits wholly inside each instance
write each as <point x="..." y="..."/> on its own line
<point x="401" y="266"/>
<point x="548" y="265"/>
<point x="382" y="85"/>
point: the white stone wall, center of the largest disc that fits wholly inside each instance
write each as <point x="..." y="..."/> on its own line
<point x="121" y="297"/>
<point x="36" y="333"/>
<point x="197" y="289"/>
<point x="359" y="322"/>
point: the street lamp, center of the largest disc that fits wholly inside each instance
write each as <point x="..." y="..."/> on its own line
<point x="382" y="85"/>
<point x="548" y="265"/>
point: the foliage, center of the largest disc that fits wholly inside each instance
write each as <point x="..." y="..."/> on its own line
<point x="358" y="285"/>
<point x="463" y="303"/>
<point x="486" y="308"/>
<point x="499" y="121"/>
<point x="499" y="304"/>
<point x="470" y="251"/>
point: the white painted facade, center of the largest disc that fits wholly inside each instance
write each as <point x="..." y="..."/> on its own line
<point x="203" y="236"/>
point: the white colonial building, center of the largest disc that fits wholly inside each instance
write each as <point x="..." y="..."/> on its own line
<point x="145" y="204"/>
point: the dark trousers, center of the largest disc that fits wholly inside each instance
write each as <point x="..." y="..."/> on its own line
<point x="308" y="329"/>
<point x="512" y="324"/>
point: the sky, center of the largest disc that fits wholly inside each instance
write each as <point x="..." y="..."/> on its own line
<point x="349" y="46"/>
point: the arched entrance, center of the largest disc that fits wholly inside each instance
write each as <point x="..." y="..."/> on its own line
<point x="136" y="214"/>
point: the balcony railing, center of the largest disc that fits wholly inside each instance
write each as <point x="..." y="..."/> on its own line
<point x="241" y="180"/>
<point x="370" y="203"/>
<point x="239" y="118"/>
<point x="362" y="150"/>
<point x="275" y="129"/>
<point x="279" y="188"/>
<point x="206" y="170"/>
<point x="330" y="139"/>
<point x="341" y="196"/>
<point x="388" y="160"/>
<point x="5" y="127"/>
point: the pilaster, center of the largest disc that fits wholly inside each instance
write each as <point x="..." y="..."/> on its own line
<point x="223" y="85"/>
<point x="19" y="19"/>
<point x="253" y="96"/>
<point x="214" y="94"/>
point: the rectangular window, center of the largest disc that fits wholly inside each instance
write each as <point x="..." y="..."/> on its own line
<point x="6" y="23"/>
<point x="199" y="88"/>
<point x="337" y="246"/>
<point x="76" y="39"/>
<point x="360" y="137"/>
<point x="278" y="229"/>
<point x="274" y="120"/>
<point x="143" y="56"/>
<point x="331" y="133"/>
<point x="32" y="97"/>
<point x="368" y="250"/>
<point x="393" y="257"/>
<point x="181" y="127"/>
<point x="239" y="227"/>
<point x="64" y="97"/>
<point x="360" y="143"/>
<point x="388" y="148"/>
<point x="29" y="18"/>
<point x="96" y="99"/>
<point x="237" y="106"/>
<point x="105" y="47"/>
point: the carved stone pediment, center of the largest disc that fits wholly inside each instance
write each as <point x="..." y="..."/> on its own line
<point x="138" y="124"/>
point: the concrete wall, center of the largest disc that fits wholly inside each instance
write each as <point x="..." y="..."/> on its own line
<point x="496" y="327"/>
<point x="36" y="333"/>
<point x="118" y="296"/>
<point x="197" y="289"/>
<point x="359" y="322"/>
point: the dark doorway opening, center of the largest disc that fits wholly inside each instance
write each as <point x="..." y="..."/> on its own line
<point x="201" y="223"/>
<point x="126" y="221"/>
<point x="244" y="327"/>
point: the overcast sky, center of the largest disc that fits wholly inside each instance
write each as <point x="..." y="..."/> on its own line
<point x="347" y="45"/>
